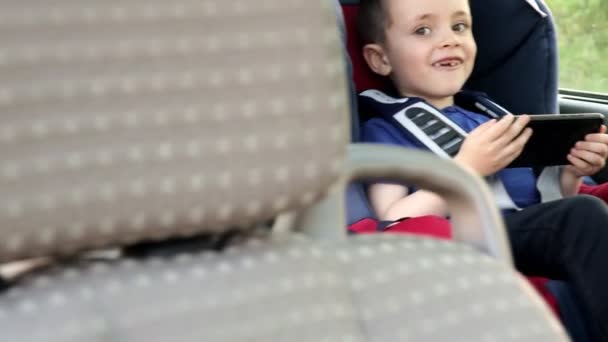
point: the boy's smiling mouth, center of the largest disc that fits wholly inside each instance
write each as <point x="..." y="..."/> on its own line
<point x="448" y="63"/>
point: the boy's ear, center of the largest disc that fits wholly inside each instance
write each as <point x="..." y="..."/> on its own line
<point x="376" y="59"/>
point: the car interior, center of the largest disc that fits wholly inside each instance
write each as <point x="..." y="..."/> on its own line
<point x="187" y="171"/>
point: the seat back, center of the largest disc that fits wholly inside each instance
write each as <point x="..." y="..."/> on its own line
<point x="118" y="127"/>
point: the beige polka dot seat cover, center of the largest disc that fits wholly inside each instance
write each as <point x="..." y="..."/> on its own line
<point x="131" y="120"/>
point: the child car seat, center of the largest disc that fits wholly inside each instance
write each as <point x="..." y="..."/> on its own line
<point x="528" y="48"/>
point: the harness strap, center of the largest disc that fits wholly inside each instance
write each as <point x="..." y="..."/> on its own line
<point x="536" y="7"/>
<point x="421" y="121"/>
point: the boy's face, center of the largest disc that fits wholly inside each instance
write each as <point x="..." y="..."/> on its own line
<point x="429" y="47"/>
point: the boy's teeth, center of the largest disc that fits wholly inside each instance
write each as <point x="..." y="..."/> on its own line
<point x="447" y="64"/>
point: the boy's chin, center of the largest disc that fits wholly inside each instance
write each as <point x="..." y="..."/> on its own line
<point x="447" y="92"/>
<point x="449" y="87"/>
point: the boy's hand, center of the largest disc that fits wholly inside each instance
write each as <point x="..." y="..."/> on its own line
<point x="589" y="156"/>
<point x="495" y="144"/>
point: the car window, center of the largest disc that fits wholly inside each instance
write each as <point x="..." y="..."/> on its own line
<point x="582" y="28"/>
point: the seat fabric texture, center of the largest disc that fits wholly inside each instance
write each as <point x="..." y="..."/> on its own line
<point x="368" y="288"/>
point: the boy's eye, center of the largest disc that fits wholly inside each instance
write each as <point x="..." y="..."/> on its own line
<point x="423" y="31"/>
<point x="460" y="27"/>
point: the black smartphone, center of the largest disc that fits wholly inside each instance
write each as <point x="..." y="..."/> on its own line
<point x="553" y="135"/>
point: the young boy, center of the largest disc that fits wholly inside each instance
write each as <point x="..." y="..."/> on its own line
<point x="427" y="49"/>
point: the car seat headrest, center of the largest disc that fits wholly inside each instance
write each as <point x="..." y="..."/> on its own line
<point x="517" y="59"/>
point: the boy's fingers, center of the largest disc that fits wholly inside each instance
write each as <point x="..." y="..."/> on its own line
<point x="597" y="137"/>
<point x="580" y="165"/>
<point x="483" y="127"/>
<point x="521" y="123"/>
<point x="508" y="127"/>
<point x="524" y="137"/>
<point x="512" y="132"/>
<point x="501" y="126"/>
<point x="515" y="147"/>
<point x="596" y="147"/>
<point x="590" y="158"/>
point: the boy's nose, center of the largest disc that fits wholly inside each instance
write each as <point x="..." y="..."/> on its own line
<point x="450" y="39"/>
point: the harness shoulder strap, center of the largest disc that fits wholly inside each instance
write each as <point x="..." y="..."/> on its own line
<point x="481" y="103"/>
<point x="418" y="120"/>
